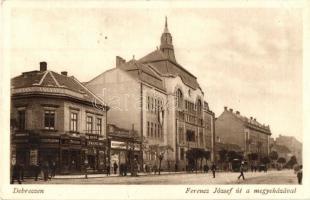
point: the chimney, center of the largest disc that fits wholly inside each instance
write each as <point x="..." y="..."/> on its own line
<point x="119" y="61"/>
<point x="43" y="66"/>
<point x="231" y="110"/>
<point x="65" y="73"/>
<point x="237" y="112"/>
<point x="254" y="119"/>
<point x="225" y="108"/>
<point x="251" y="118"/>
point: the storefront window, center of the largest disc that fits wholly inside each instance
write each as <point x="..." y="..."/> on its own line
<point x="49" y="119"/>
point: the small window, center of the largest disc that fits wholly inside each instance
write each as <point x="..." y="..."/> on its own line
<point x="49" y="119"/>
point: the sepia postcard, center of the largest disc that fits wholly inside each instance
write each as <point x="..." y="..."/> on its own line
<point x="154" y="99"/>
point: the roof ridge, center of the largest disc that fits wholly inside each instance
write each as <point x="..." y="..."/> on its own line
<point x="88" y="90"/>
<point x="43" y="77"/>
<point x="53" y="77"/>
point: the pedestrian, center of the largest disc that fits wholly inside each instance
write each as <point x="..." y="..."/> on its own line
<point x="121" y="169"/>
<point x="37" y="170"/>
<point x="45" y="169"/>
<point x="86" y="168"/>
<point x="213" y="169"/>
<point x="22" y="170"/>
<point x="125" y="169"/>
<point x="115" y="166"/>
<point x="108" y="170"/>
<point x="16" y="171"/>
<point x="299" y="175"/>
<point x="241" y="171"/>
<point x="176" y="167"/>
<point x="53" y="169"/>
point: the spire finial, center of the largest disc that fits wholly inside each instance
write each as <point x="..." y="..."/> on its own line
<point x="166" y="25"/>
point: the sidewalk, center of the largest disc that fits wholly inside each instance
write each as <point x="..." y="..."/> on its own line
<point x="79" y="176"/>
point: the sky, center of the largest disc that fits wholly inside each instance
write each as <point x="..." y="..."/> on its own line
<point x="248" y="59"/>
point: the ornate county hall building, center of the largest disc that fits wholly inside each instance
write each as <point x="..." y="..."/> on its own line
<point x="161" y="100"/>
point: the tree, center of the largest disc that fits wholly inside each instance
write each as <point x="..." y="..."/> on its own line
<point x="265" y="160"/>
<point x="291" y="162"/>
<point x="273" y="156"/>
<point x="223" y="156"/>
<point x="160" y="151"/>
<point x="281" y="160"/>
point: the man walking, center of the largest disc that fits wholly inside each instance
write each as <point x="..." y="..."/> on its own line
<point x="299" y="175"/>
<point x="16" y="171"/>
<point x="115" y="166"/>
<point x="213" y="169"/>
<point x="241" y="171"/>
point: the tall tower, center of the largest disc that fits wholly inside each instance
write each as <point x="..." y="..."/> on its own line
<point x="166" y="45"/>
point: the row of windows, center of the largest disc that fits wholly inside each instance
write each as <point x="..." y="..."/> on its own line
<point x="191" y="107"/>
<point x="154" y="130"/>
<point x="49" y="121"/>
<point x="153" y="104"/>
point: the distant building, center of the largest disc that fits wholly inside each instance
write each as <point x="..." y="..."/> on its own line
<point x="282" y="151"/>
<point x="161" y="99"/>
<point x="55" y="118"/>
<point x="292" y="144"/>
<point x="250" y="135"/>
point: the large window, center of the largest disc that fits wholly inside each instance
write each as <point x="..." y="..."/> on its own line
<point x="199" y="107"/>
<point x="49" y="119"/>
<point x="148" y="129"/>
<point x="89" y="124"/>
<point x="179" y="98"/>
<point x="99" y="125"/>
<point x="73" y="122"/>
<point x="190" y="136"/>
<point x="21" y="119"/>
<point x="151" y="129"/>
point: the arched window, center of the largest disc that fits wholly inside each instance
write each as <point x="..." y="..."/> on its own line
<point x="179" y="98"/>
<point x="199" y="106"/>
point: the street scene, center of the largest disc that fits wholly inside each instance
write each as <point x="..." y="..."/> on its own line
<point x="272" y="177"/>
<point x="162" y="115"/>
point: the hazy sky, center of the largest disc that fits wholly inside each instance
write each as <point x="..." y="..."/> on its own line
<point x="247" y="59"/>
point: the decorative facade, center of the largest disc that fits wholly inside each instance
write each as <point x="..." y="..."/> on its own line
<point x="161" y="100"/>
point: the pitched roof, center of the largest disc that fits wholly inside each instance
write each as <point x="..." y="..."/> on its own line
<point x="166" y="66"/>
<point x="50" y="79"/>
<point x="252" y="123"/>
<point x="144" y="73"/>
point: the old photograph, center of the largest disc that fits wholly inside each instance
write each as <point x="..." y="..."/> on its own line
<point x="155" y="95"/>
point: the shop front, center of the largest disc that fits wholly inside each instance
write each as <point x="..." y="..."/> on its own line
<point x="66" y="151"/>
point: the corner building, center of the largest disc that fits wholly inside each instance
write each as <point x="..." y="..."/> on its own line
<point x="55" y="118"/>
<point x="161" y="100"/>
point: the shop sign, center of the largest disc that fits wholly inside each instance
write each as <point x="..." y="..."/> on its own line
<point x="50" y="140"/>
<point x="75" y="142"/>
<point x="21" y="140"/>
<point x="21" y="134"/>
<point x="33" y="157"/>
<point x="92" y="143"/>
<point x="118" y="145"/>
<point x="93" y="137"/>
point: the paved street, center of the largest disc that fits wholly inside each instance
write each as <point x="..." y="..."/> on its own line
<point x="271" y="177"/>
